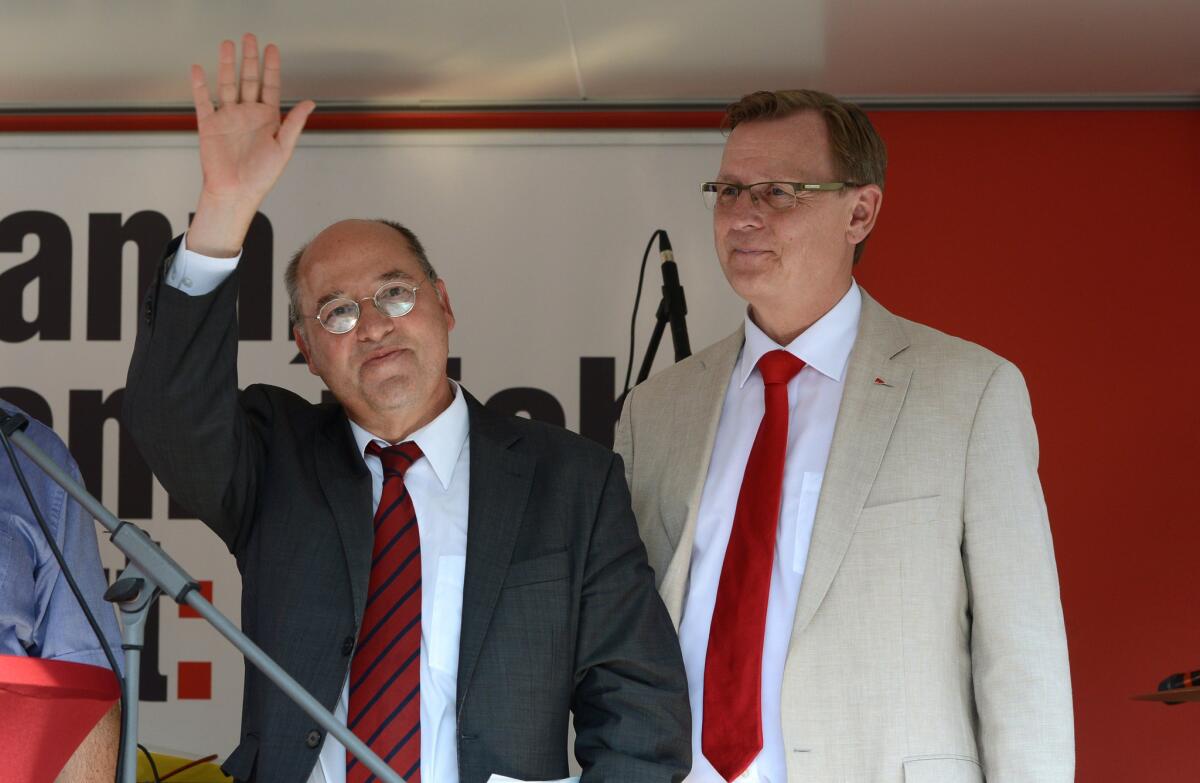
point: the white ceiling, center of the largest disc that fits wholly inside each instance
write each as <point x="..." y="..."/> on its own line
<point x="81" y="54"/>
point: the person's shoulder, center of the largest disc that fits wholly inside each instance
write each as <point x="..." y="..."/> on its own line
<point x="951" y="364"/>
<point x="932" y="345"/>
<point x="280" y="399"/>
<point x="275" y="407"/>
<point x="683" y="373"/>
<point x="43" y="437"/>
<point x="547" y="441"/>
<point x="932" y="348"/>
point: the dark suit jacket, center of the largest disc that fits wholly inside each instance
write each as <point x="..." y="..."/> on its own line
<point x="559" y="611"/>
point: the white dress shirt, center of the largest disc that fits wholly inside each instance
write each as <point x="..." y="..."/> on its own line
<point x="814" y="397"/>
<point x="439" y="486"/>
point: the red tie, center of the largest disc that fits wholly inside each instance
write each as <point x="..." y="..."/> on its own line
<point x="385" y="673"/>
<point x="732" y="733"/>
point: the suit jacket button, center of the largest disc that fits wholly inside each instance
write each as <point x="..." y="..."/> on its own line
<point x="313" y="738"/>
<point x="348" y="645"/>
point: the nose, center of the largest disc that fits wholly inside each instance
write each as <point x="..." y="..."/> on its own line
<point x="372" y="324"/>
<point x="746" y="211"/>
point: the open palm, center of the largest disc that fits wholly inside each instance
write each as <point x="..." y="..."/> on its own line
<point x="243" y="145"/>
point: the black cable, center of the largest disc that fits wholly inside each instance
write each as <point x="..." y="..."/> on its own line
<point x="637" y="300"/>
<point x="150" y="759"/>
<point x="62" y="564"/>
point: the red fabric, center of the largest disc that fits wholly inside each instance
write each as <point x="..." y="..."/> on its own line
<point x="732" y="732"/>
<point x="46" y="710"/>
<point x="385" y="674"/>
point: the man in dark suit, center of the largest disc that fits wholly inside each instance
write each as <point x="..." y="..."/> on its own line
<point x="501" y="584"/>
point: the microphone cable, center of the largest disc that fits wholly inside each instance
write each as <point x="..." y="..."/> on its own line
<point x="633" y="321"/>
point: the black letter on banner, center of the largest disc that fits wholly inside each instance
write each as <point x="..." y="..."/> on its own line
<point x="152" y="684"/>
<point x="88" y="414"/>
<point x="29" y="401"/>
<point x="256" y="273"/>
<point x="598" y="411"/>
<point x="51" y="268"/>
<point x="539" y="404"/>
<point x="107" y="237"/>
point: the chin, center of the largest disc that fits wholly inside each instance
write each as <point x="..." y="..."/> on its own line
<point x="393" y="395"/>
<point x="750" y="286"/>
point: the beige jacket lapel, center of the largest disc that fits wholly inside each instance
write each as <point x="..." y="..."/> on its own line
<point x="700" y="396"/>
<point x="876" y="383"/>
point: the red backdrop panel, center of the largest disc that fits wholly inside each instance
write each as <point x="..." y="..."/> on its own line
<point x="1066" y="241"/>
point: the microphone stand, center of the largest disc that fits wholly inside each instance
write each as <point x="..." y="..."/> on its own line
<point x="672" y="309"/>
<point x="152" y="572"/>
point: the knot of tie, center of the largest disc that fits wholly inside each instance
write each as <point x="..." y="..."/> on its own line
<point x="779" y="367"/>
<point x="396" y="459"/>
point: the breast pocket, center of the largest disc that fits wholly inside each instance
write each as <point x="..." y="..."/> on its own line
<point x="547" y="568"/>
<point x="942" y="769"/>
<point x="899" y="513"/>
<point x="447" y="613"/>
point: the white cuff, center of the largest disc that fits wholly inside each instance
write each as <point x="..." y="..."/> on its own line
<point x="197" y="275"/>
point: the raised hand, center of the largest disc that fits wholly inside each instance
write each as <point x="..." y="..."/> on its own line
<point x="243" y="145"/>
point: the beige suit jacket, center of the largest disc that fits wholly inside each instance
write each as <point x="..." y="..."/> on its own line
<point x="928" y="643"/>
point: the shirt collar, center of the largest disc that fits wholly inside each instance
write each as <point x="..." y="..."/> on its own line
<point x="824" y="346"/>
<point x="441" y="440"/>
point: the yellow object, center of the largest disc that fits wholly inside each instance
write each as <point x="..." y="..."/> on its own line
<point x="206" y="772"/>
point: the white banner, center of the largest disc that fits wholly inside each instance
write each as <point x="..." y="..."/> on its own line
<point x="538" y="236"/>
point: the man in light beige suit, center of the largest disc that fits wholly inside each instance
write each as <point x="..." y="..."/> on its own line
<point x="912" y="628"/>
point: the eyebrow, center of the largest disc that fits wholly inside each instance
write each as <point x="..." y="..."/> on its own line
<point x="396" y="274"/>
<point x="329" y="297"/>
<point x="386" y="277"/>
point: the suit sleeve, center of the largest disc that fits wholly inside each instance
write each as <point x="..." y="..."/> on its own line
<point x="182" y="404"/>
<point x="632" y="718"/>
<point x="1018" y="641"/>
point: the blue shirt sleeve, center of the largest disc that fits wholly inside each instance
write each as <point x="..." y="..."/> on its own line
<point x="39" y="615"/>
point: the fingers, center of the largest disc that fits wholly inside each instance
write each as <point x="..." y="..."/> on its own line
<point x="200" y="97"/>
<point x="271" y="81"/>
<point x="289" y="131"/>
<point x="226" y="75"/>
<point x="250" y="81"/>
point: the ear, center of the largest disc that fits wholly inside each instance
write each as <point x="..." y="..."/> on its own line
<point x="868" y="200"/>
<point x="298" y="335"/>
<point x="443" y="297"/>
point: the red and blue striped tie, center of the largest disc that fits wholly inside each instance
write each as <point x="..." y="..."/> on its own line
<point x="385" y="674"/>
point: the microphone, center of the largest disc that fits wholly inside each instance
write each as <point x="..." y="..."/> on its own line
<point x="672" y="309"/>
<point x="664" y="246"/>
<point x="673" y="300"/>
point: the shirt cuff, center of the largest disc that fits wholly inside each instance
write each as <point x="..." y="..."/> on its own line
<point x="197" y="275"/>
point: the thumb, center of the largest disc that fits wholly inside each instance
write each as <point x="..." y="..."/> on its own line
<point x="289" y="130"/>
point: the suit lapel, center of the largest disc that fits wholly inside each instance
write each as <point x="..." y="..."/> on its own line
<point x="501" y="479"/>
<point x="877" y="378"/>
<point x="693" y="431"/>
<point x="346" y="483"/>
